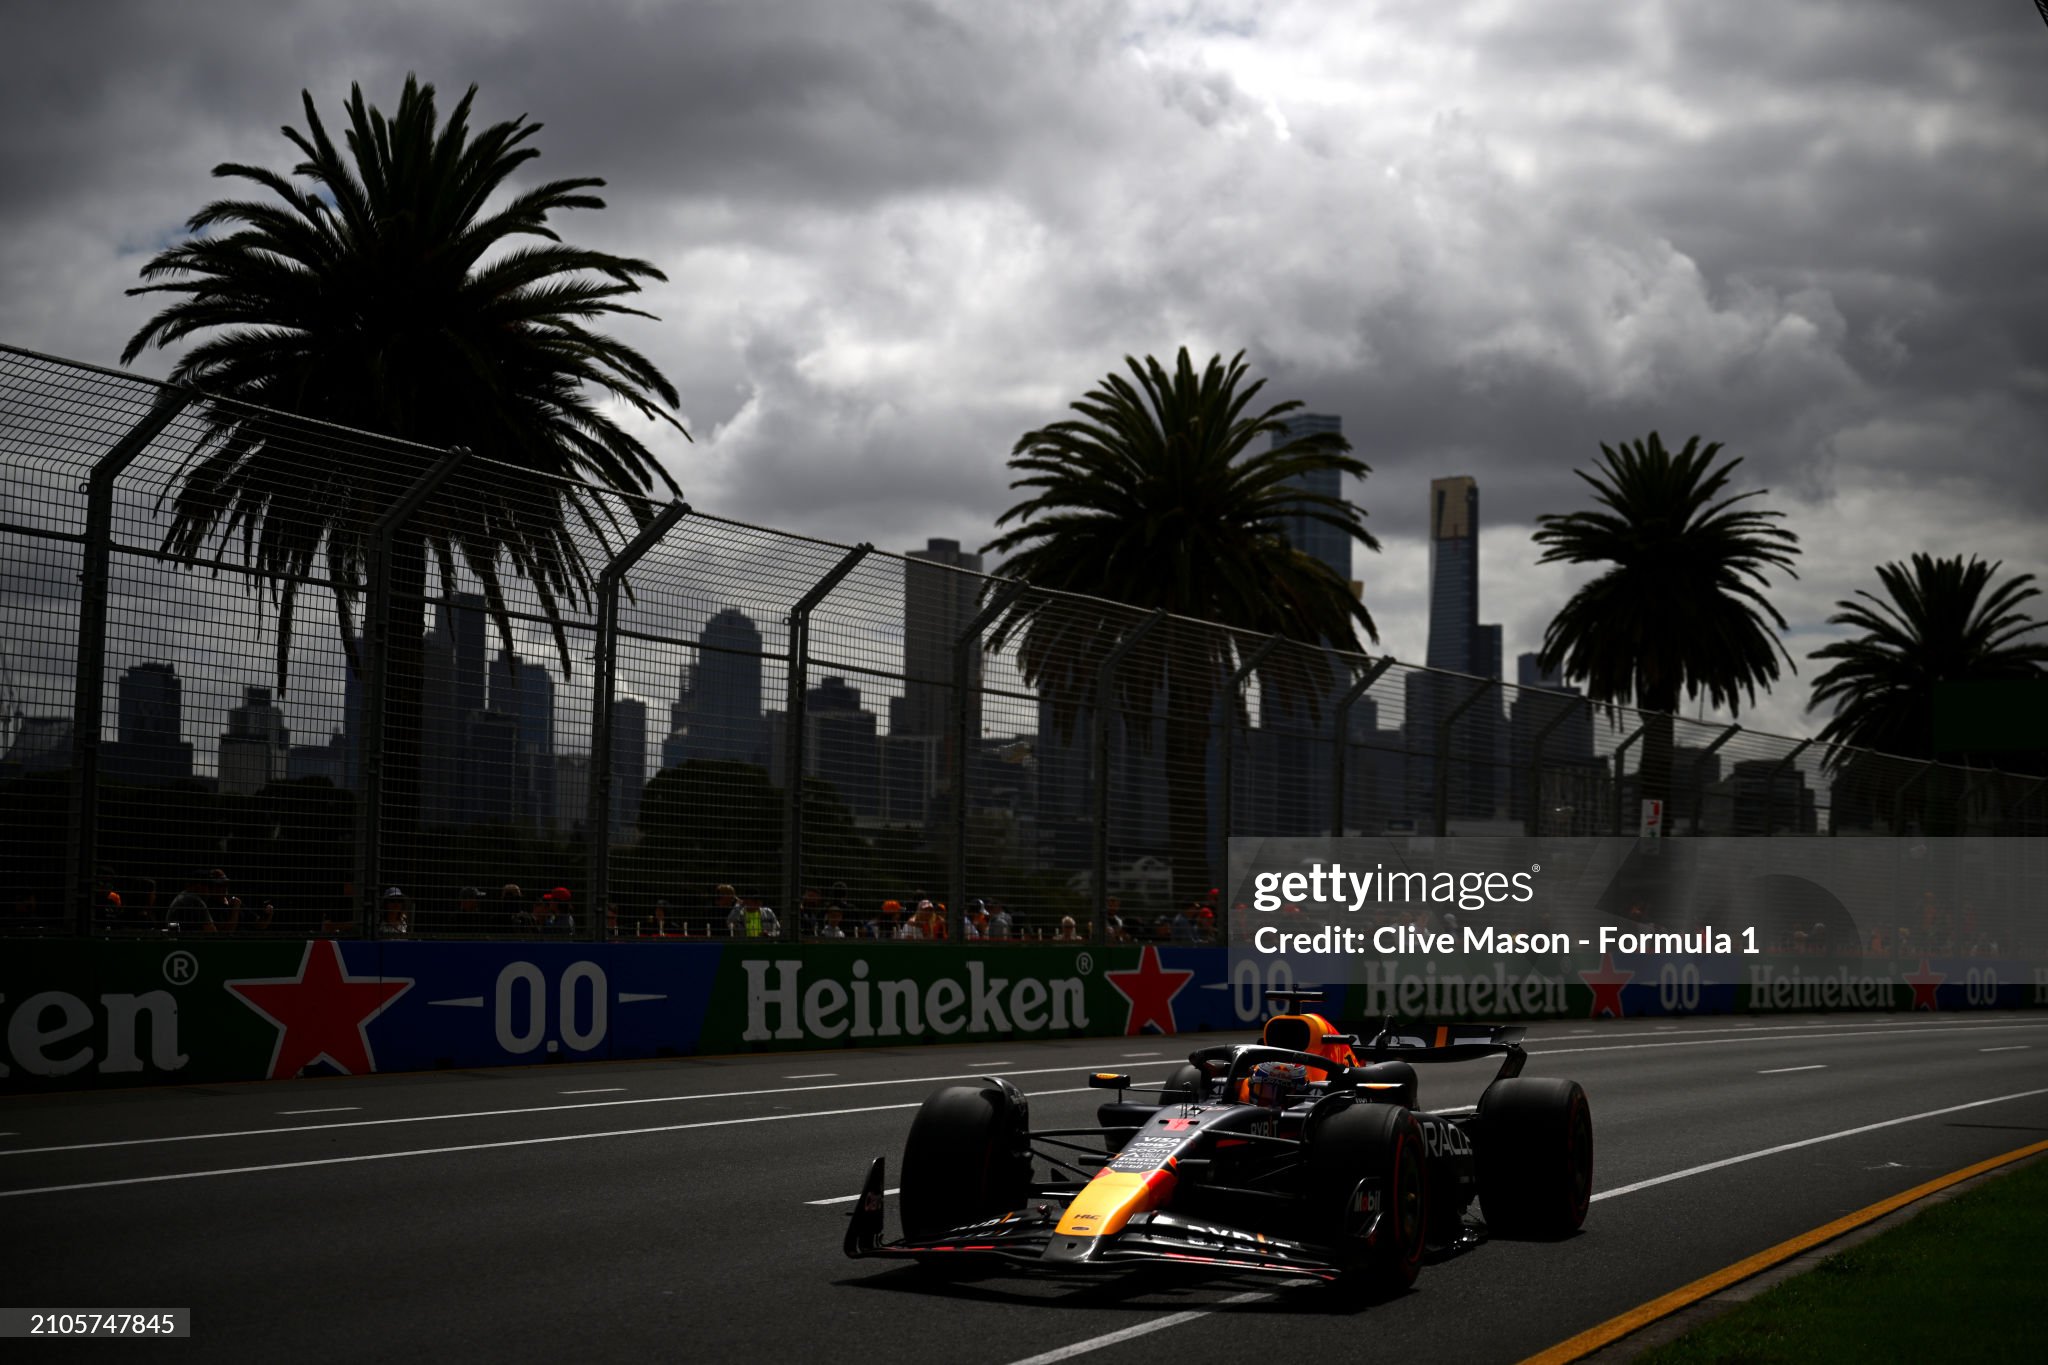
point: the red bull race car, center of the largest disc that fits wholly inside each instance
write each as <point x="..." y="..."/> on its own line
<point x="1303" y="1154"/>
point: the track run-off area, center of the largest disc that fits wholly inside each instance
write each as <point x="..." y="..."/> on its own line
<point x="694" y="1207"/>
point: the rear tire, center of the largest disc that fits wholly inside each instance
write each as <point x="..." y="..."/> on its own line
<point x="1535" y="1156"/>
<point x="1364" y="1158"/>
<point x="967" y="1159"/>
<point x="1184" y="1085"/>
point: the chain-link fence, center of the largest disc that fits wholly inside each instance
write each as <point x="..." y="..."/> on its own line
<point x="258" y="673"/>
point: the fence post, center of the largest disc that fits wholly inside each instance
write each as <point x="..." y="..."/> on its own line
<point x="1771" y="792"/>
<point x="1699" y="776"/>
<point x="1342" y="720"/>
<point x="376" y="681"/>
<point x="604" y="673"/>
<point x="2019" y="806"/>
<point x="1963" y="801"/>
<point x="88" y="696"/>
<point x="964" y="650"/>
<point x="1536" y="760"/>
<point x="1899" y="796"/>
<point x="1228" y="764"/>
<point x="1105" y="682"/>
<point x="793" y="736"/>
<point x="1620" y="753"/>
<point x="1443" y="753"/>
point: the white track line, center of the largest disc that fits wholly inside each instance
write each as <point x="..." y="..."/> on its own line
<point x="481" y="1147"/>
<point x="338" y="1109"/>
<point x="849" y="1198"/>
<point x="1059" y="1353"/>
<point x="1781" y="1070"/>
<point x="539" y="1109"/>
<point x="1757" y="1038"/>
<point x="1809" y="1142"/>
<point x="811" y="1076"/>
<point x="600" y="1090"/>
<point x="1176" y="1319"/>
<point x="2010" y="1047"/>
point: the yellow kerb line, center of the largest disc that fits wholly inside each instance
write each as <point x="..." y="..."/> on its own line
<point x="1637" y="1318"/>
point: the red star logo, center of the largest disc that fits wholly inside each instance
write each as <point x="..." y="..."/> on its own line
<point x="1923" y="983"/>
<point x="321" y="1012"/>
<point x="1606" y="984"/>
<point x="1150" y="988"/>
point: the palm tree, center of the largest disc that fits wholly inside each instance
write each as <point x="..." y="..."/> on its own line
<point x="1153" y="497"/>
<point x="398" y="289"/>
<point x="1681" y="611"/>
<point x="1939" y="621"/>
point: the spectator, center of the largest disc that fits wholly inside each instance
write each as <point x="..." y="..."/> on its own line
<point x="1000" y="926"/>
<point x="393" y="921"/>
<point x="189" y="908"/>
<point x="611" y="917"/>
<point x="469" y="914"/>
<point x="810" y="912"/>
<point x="831" y="929"/>
<point x="913" y="928"/>
<point x="748" y="918"/>
<point x="975" y="925"/>
<point x="1184" y="929"/>
<point x="561" y="920"/>
<point x="513" y="909"/>
<point x="839" y="900"/>
<point x="1117" y="930"/>
<point x="888" y="920"/>
<point x="656" y="925"/>
<point x="1067" y="932"/>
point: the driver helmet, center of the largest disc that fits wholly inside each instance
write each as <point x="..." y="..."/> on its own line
<point x="1272" y="1083"/>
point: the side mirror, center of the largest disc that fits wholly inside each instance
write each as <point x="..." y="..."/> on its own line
<point x="1108" y="1080"/>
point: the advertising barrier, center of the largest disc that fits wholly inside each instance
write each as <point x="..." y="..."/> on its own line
<point x="83" y="1013"/>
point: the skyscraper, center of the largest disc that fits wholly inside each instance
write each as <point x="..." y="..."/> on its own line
<point x="255" y="750"/>
<point x="525" y="692"/>
<point x="1325" y="542"/>
<point x="1291" y="763"/>
<point x="938" y="604"/>
<point x="1544" y="705"/>
<point x="717" y="714"/>
<point x="1458" y="643"/>
<point x="151" y="747"/>
<point x="629" y="761"/>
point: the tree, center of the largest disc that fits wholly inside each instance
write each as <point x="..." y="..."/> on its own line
<point x="1681" y="611"/>
<point x="393" y="288"/>
<point x="1939" y="621"/>
<point x="1154" y="498"/>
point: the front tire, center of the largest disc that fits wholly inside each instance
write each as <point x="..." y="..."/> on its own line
<point x="1368" y="1196"/>
<point x="1535" y="1156"/>
<point x="967" y="1159"/>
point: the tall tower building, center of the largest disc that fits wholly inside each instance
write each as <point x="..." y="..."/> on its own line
<point x="1325" y="542"/>
<point x="717" y="714"/>
<point x="151" y="747"/>
<point x="1458" y="643"/>
<point x="254" y="751"/>
<point x="938" y="604"/>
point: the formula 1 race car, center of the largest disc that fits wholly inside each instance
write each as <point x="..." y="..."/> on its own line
<point x="1303" y="1154"/>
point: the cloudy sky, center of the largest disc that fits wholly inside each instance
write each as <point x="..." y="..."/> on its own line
<point x="1489" y="235"/>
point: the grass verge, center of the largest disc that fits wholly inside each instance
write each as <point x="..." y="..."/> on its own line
<point x="1962" y="1280"/>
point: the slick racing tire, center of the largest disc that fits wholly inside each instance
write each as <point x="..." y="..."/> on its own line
<point x="1184" y="1085"/>
<point x="967" y="1159"/>
<point x="1364" y="1160"/>
<point x="1534" y="1144"/>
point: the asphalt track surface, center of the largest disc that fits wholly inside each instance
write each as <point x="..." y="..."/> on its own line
<point x="669" y="1209"/>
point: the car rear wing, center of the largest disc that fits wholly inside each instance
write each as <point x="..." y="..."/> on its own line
<point x="1447" y="1043"/>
